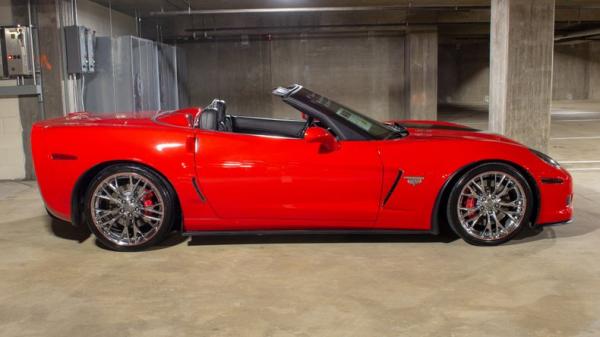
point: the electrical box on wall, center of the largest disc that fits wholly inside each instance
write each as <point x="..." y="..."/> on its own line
<point x="79" y="42"/>
<point x="17" y="48"/>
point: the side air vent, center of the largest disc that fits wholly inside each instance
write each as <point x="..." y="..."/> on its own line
<point x="198" y="191"/>
<point x="392" y="188"/>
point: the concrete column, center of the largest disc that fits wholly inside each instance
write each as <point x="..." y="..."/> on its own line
<point x="421" y="69"/>
<point x="521" y="51"/>
<point x="51" y="57"/>
<point x="30" y="108"/>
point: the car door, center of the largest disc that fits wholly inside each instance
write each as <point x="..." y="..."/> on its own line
<point x="247" y="176"/>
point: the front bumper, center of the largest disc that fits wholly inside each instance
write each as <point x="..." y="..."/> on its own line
<point x="558" y="223"/>
<point x="556" y="199"/>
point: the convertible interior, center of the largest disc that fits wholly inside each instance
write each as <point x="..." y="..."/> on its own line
<point x="214" y="117"/>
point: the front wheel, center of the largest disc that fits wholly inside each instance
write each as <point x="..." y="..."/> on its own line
<point x="490" y="204"/>
<point x="129" y="207"/>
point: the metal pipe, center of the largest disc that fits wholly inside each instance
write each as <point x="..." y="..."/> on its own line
<point x="137" y="24"/>
<point x="329" y="28"/>
<point x="38" y="80"/>
<point x="61" y="13"/>
<point x="112" y="42"/>
<point x="453" y="7"/>
<point x="257" y="30"/>
<point x="31" y="43"/>
<point x="575" y="35"/>
<point x="110" y="22"/>
<point x="74" y="9"/>
<point x="304" y="10"/>
<point x="295" y="27"/>
<point x="283" y="35"/>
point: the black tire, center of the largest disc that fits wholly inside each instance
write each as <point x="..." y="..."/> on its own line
<point x="452" y="212"/>
<point x="167" y="194"/>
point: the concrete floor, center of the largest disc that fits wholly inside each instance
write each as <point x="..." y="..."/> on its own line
<point x="55" y="281"/>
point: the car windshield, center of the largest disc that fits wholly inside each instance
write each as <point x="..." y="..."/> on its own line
<point x="353" y="119"/>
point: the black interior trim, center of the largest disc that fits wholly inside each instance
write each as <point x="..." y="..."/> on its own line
<point x="267" y="127"/>
<point x="306" y="232"/>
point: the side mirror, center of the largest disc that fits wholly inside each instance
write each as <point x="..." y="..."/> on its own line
<point x="319" y="135"/>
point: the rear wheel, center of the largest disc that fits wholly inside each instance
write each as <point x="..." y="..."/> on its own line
<point x="129" y="207"/>
<point x="490" y="204"/>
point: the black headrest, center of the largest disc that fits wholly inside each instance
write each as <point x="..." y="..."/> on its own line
<point x="213" y="116"/>
<point x="220" y="106"/>
<point x="209" y="119"/>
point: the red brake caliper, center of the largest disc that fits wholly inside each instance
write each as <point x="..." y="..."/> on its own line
<point x="470" y="204"/>
<point x="148" y="202"/>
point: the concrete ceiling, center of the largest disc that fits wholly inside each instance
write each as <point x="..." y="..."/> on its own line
<point x="457" y="19"/>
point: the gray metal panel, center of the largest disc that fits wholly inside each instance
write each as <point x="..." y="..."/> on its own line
<point x="127" y="77"/>
<point x="167" y="65"/>
<point x="79" y="45"/>
<point x="20" y="90"/>
<point x="152" y="89"/>
<point x="75" y="46"/>
<point x="145" y="75"/>
<point x="182" y="78"/>
<point x="123" y="73"/>
<point x="99" y="86"/>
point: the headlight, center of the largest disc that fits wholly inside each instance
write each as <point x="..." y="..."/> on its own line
<point x="545" y="158"/>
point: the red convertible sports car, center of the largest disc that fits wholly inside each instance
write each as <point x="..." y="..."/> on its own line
<point x="133" y="179"/>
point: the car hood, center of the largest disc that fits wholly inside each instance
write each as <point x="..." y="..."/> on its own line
<point x="430" y="130"/>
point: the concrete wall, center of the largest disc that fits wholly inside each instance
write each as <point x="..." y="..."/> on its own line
<point x="12" y="156"/>
<point x="571" y="74"/>
<point x="363" y="72"/>
<point x="576" y="71"/>
<point x="594" y="72"/>
<point x="6" y="17"/>
<point x="464" y="72"/>
<point x="99" y="18"/>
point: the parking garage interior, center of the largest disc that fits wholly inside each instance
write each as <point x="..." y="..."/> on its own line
<point x="529" y="70"/>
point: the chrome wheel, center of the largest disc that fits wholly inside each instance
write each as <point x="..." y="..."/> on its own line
<point x="491" y="205"/>
<point x="127" y="209"/>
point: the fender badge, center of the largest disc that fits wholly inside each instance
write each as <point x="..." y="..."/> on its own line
<point x="414" y="181"/>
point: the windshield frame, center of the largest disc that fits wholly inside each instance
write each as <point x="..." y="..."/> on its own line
<point x="349" y="118"/>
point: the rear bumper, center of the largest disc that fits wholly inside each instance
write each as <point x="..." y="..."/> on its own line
<point x="57" y="216"/>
